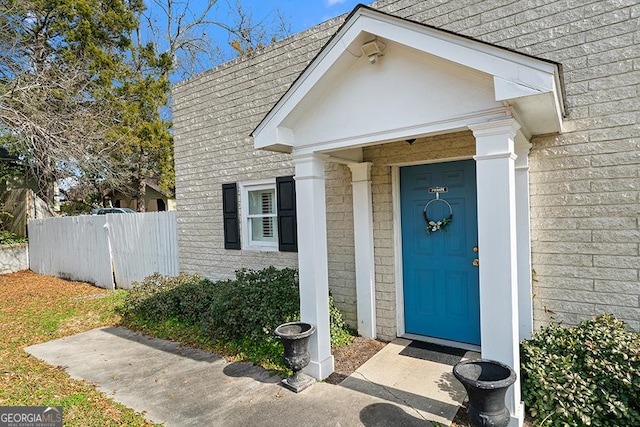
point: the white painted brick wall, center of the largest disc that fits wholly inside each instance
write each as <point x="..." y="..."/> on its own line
<point x="214" y="114"/>
<point x="585" y="185"/>
<point x="585" y="197"/>
<point x="340" y="246"/>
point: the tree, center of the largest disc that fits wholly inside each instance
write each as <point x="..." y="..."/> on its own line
<point x="170" y="39"/>
<point x="84" y="84"/>
<point x="146" y="146"/>
<point x="247" y="35"/>
<point x="182" y="31"/>
<point x="58" y="62"/>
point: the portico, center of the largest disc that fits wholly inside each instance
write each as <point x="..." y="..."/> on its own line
<point x="423" y="82"/>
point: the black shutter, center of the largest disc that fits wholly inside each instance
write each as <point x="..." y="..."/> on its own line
<point x="287" y="222"/>
<point x="230" y="216"/>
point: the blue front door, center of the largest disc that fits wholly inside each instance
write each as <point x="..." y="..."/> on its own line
<point x="441" y="290"/>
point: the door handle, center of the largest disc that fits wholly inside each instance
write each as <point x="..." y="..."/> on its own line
<point x="476" y="263"/>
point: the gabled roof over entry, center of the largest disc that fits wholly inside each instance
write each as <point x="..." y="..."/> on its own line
<point x="425" y="81"/>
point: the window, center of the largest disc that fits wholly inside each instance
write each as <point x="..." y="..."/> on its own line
<point x="259" y="216"/>
<point x="268" y="215"/>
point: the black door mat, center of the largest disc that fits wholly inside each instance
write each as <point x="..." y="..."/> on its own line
<point x="433" y="353"/>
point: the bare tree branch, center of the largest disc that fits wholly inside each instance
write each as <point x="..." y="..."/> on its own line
<point x="48" y="105"/>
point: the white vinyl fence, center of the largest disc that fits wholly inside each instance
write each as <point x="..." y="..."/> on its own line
<point x="110" y="251"/>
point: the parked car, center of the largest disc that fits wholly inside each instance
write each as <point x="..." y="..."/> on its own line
<point x="104" y="211"/>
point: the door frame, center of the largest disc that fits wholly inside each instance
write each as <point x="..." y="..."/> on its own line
<point x="397" y="244"/>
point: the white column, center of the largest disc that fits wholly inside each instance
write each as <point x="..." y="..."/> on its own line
<point x="363" y="239"/>
<point x="523" y="226"/>
<point x="312" y="259"/>
<point x="499" y="329"/>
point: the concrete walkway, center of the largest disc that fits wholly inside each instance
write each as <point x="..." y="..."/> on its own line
<point x="404" y="384"/>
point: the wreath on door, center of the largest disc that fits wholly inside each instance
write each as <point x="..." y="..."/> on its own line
<point x="437" y="225"/>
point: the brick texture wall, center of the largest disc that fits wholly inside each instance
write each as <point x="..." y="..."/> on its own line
<point x="214" y="114"/>
<point x="585" y="183"/>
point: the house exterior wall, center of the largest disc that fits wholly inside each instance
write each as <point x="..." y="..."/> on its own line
<point x="585" y="198"/>
<point x="585" y="203"/>
<point x="218" y="150"/>
<point x="340" y="247"/>
<point x="151" y="201"/>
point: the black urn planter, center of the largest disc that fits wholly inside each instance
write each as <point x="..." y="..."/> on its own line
<point x="295" y="339"/>
<point x="486" y="382"/>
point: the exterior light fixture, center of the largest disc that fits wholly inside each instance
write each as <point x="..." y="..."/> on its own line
<point x="373" y="50"/>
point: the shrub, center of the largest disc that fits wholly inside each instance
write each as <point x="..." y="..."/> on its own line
<point x="239" y="315"/>
<point x="194" y="297"/>
<point x="159" y="298"/>
<point x="9" y="238"/>
<point x="341" y="333"/>
<point x="253" y="305"/>
<point x="583" y="375"/>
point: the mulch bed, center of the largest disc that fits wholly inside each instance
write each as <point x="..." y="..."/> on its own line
<point x="350" y="357"/>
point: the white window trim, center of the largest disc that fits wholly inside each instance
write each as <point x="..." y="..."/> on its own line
<point x="245" y="188"/>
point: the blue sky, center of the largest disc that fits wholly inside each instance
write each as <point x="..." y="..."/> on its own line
<point x="302" y="14"/>
<point x="299" y="15"/>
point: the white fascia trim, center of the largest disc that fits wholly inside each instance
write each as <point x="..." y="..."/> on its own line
<point x="488" y="59"/>
<point x="310" y="76"/>
<point x="519" y="75"/>
<point x="558" y="99"/>
<point x="456" y="124"/>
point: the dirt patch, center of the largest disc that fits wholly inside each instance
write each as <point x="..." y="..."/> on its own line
<point x="350" y="357"/>
<point x="461" y="419"/>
